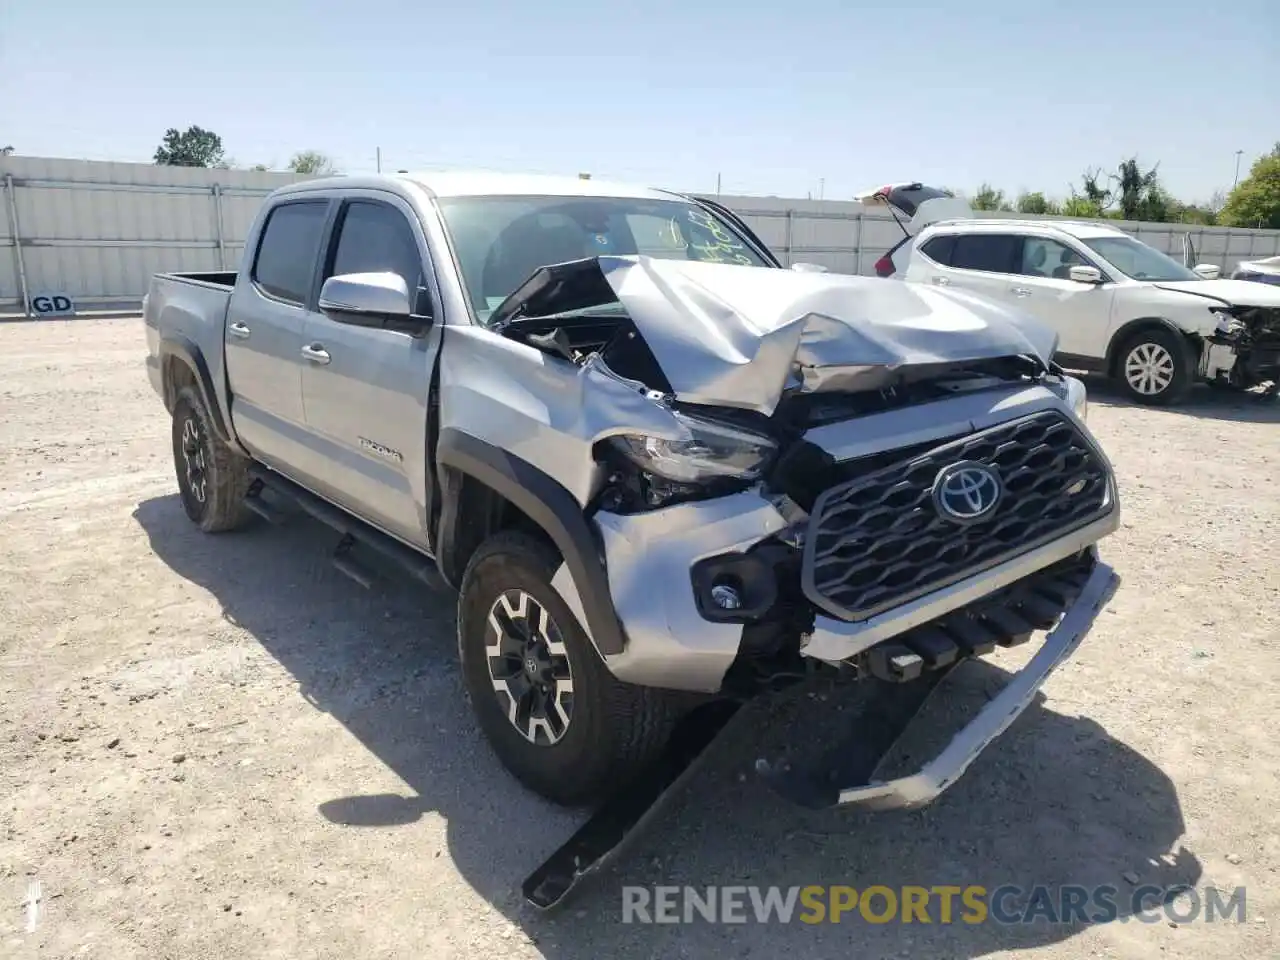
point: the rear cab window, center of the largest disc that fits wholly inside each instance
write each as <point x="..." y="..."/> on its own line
<point x="286" y="259"/>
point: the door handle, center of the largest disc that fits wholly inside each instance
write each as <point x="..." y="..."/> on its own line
<point x="1021" y="292"/>
<point x="941" y="282"/>
<point x="240" y="331"/>
<point x="316" y="354"/>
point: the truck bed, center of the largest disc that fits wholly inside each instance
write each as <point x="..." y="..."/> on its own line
<point x="188" y="308"/>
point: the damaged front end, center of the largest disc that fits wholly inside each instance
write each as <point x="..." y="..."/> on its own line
<point x="777" y="515"/>
<point x="786" y="475"/>
<point x="1250" y="337"/>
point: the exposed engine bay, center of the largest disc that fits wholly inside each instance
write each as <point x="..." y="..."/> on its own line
<point x="1253" y="334"/>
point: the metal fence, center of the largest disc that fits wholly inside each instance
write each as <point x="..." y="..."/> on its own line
<point x="91" y="234"/>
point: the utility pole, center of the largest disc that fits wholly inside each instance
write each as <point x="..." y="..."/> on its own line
<point x="379" y="149"/>
<point x="1237" y="179"/>
<point x="717" y="185"/>
<point x="822" y="186"/>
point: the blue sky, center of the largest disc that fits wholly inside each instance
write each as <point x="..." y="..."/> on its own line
<point x="776" y="98"/>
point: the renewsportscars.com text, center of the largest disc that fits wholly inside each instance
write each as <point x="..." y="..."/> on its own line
<point x="940" y="904"/>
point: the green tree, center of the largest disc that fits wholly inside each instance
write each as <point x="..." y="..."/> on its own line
<point x="1140" y="195"/>
<point x="1096" y="196"/>
<point x="1081" y="206"/>
<point x="1255" y="202"/>
<point x="989" y="198"/>
<point x="6" y="151"/>
<point x="311" y="161"/>
<point x="196" y="147"/>
<point x="1035" y="203"/>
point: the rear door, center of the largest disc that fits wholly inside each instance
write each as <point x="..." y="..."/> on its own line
<point x="263" y="332"/>
<point x="980" y="262"/>
<point x="364" y="388"/>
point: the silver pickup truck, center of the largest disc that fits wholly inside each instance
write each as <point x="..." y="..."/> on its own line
<point x="661" y="471"/>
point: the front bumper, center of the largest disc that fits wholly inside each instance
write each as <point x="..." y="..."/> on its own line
<point x="837" y="640"/>
<point x="935" y="776"/>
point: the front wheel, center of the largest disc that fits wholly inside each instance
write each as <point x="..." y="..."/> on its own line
<point x="1155" y="367"/>
<point x="550" y="708"/>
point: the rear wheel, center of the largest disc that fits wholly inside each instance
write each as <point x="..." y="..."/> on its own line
<point x="212" y="478"/>
<point x="554" y="714"/>
<point x="1155" y="367"/>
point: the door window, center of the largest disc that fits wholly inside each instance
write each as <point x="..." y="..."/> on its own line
<point x="376" y="238"/>
<point x="939" y="249"/>
<point x="286" y="257"/>
<point x="991" y="252"/>
<point x="1042" y="257"/>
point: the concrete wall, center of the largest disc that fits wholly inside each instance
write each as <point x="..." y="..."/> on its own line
<point x="96" y="232"/>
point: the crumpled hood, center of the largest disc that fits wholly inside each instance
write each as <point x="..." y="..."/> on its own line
<point x="1241" y="293"/>
<point x="740" y="336"/>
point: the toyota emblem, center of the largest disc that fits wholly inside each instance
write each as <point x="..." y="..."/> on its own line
<point x="966" y="491"/>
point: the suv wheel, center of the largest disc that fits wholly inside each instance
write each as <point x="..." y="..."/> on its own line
<point x="1154" y="367"/>
<point x="555" y="716"/>
<point x="212" y="478"/>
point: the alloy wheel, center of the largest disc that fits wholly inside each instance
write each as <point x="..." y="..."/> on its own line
<point x="529" y="667"/>
<point x="193" y="454"/>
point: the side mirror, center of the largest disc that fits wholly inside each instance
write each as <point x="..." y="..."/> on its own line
<point x="809" y="268"/>
<point x="1208" y="270"/>
<point x="370" y="300"/>
<point x="1085" y="274"/>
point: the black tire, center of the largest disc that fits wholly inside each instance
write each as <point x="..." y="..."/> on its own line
<point x="212" y="478"/>
<point x="1155" y="366"/>
<point x="613" y="728"/>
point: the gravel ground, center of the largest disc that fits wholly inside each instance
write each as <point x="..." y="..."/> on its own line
<point x="220" y="746"/>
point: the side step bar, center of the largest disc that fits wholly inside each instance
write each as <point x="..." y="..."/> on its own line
<point x="623" y="817"/>
<point x="354" y="532"/>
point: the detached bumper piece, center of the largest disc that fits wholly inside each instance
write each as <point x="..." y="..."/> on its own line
<point x="816" y="791"/>
<point x="1005" y="618"/>
<point x="624" y="816"/>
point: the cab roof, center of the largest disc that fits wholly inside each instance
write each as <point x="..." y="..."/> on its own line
<point x="476" y="183"/>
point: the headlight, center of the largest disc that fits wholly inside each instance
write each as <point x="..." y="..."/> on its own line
<point x="1228" y="325"/>
<point x="707" y="451"/>
<point x="1077" y="397"/>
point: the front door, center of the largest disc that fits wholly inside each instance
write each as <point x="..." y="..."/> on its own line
<point x="365" y="389"/>
<point x="1080" y="313"/>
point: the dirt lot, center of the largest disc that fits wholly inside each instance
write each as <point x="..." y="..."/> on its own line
<point x="220" y="747"/>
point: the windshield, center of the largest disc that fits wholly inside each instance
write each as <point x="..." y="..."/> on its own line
<point x="500" y="241"/>
<point x="1135" y="259"/>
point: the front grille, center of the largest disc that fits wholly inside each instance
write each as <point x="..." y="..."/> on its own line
<point x="878" y="541"/>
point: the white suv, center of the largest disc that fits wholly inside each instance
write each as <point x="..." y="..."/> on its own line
<point x="1118" y="306"/>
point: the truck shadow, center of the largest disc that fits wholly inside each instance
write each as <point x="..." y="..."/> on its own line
<point x="1057" y="801"/>
<point x="1204" y="402"/>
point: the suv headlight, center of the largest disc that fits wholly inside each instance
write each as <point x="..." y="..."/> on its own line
<point x="1227" y="325"/>
<point x="708" y="450"/>
<point x="1076" y="396"/>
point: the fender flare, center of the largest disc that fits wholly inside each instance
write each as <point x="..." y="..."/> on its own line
<point x="183" y="349"/>
<point x="1122" y="334"/>
<point x="549" y="505"/>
